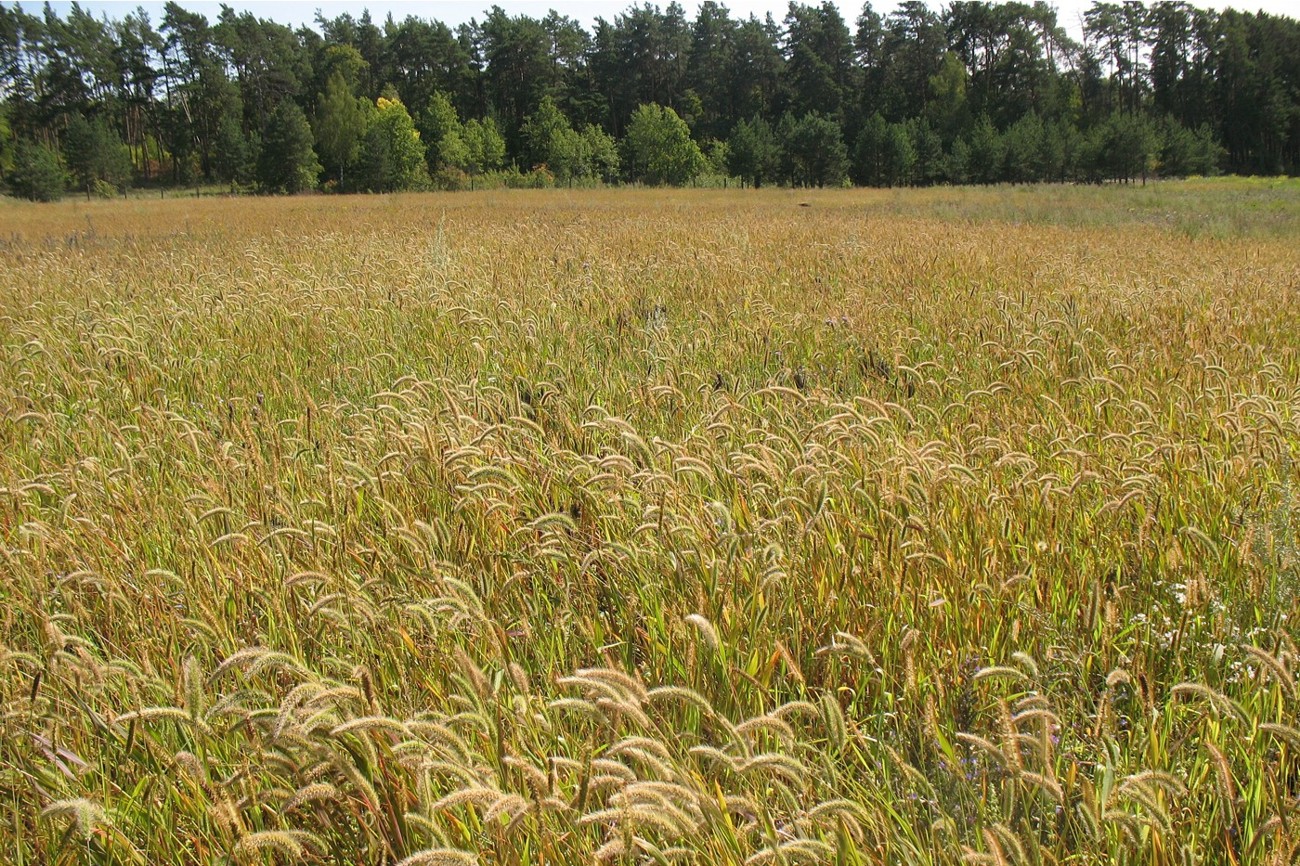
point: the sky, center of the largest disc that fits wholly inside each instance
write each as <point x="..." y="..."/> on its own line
<point x="453" y="12"/>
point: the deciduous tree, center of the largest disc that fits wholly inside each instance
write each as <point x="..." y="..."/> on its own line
<point x="341" y="119"/>
<point x="392" y="154"/>
<point x="658" y="148"/>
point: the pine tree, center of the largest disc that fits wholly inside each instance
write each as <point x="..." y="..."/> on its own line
<point x="36" y="173"/>
<point x="287" y="162"/>
<point x="752" y="152"/>
<point x="816" y="150"/>
<point x="95" y="155"/>
<point x="235" y="160"/>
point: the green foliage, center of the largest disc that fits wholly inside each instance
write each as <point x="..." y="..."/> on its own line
<point x="392" y="154"/>
<point x="441" y="131"/>
<point x="549" y="140"/>
<point x="869" y="152"/>
<point x="454" y="179"/>
<point x="453" y="152"/>
<point x="753" y="153"/>
<point x="1022" y="151"/>
<point x="986" y="154"/>
<point x="948" y="109"/>
<point x="886" y="154"/>
<point x="1060" y="152"/>
<point x="341" y="121"/>
<point x="235" y="160"/>
<point x="6" y="141"/>
<point x="658" y="148"/>
<point x="600" y="153"/>
<point x="717" y="153"/>
<point x="1005" y="89"/>
<point x="287" y="162"/>
<point x="816" y="151"/>
<point x="899" y="155"/>
<point x="959" y="162"/>
<point x="485" y="149"/>
<point x="569" y="154"/>
<point x="589" y="154"/>
<point x="346" y="62"/>
<point x="820" y="51"/>
<point x="928" y="167"/>
<point x="1186" y="151"/>
<point x="37" y="173"/>
<point x="95" y="155"/>
<point x="538" y="178"/>
<point x="1126" y="147"/>
<point x="568" y="158"/>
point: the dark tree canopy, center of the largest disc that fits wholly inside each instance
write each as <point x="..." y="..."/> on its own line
<point x="287" y="162"/>
<point x="970" y="91"/>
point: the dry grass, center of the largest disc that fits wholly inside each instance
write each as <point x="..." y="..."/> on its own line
<point x="649" y="527"/>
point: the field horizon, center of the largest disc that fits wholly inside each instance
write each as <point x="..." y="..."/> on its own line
<point x="953" y="525"/>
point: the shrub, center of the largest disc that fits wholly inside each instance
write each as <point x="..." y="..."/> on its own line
<point x="37" y="173"/>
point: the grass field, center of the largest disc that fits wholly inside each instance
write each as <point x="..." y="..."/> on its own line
<point x="652" y="527"/>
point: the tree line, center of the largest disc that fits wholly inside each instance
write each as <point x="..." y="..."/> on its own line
<point x="977" y="92"/>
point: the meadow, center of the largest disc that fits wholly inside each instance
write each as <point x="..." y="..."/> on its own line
<point x="767" y="527"/>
